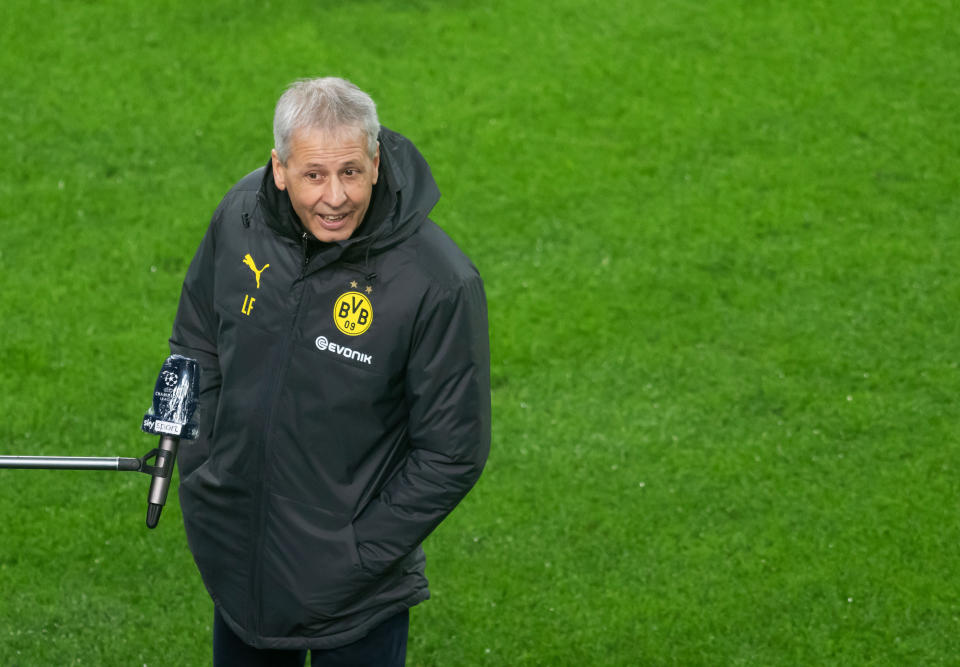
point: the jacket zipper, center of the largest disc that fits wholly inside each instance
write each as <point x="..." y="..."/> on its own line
<point x="262" y="492"/>
<point x="305" y="259"/>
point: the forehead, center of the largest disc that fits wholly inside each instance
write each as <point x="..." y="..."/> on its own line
<point x="324" y="147"/>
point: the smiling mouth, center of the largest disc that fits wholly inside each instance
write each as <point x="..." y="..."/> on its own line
<point x="333" y="221"/>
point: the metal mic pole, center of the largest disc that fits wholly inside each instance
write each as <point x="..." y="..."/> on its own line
<point x="70" y="463"/>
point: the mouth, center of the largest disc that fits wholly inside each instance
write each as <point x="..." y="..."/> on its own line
<point x="333" y="222"/>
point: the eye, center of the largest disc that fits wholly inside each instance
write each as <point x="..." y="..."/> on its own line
<point x="351" y="172"/>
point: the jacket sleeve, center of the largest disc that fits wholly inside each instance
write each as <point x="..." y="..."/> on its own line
<point x="448" y="395"/>
<point x="195" y="336"/>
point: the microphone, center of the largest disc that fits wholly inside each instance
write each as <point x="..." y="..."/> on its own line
<point x="175" y="398"/>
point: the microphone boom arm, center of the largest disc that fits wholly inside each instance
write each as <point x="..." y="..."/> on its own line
<point x="174" y="402"/>
<point x="74" y="462"/>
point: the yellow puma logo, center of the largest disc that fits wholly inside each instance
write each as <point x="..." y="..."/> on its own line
<point x="248" y="260"/>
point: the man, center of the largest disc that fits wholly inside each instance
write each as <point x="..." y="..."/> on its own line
<point x="345" y="398"/>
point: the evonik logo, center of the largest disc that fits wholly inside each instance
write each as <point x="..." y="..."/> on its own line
<point x="326" y="345"/>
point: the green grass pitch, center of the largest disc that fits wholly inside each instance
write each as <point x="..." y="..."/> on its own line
<point x="720" y="244"/>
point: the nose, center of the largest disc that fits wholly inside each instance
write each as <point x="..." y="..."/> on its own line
<point x="334" y="193"/>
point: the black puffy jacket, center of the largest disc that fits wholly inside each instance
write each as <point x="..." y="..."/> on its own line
<point x="345" y="406"/>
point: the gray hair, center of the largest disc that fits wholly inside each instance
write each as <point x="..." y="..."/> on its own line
<point x="329" y="104"/>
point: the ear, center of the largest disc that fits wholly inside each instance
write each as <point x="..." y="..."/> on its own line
<point x="279" y="175"/>
<point x="376" y="164"/>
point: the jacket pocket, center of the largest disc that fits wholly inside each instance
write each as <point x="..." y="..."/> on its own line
<point x="311" y="569"/>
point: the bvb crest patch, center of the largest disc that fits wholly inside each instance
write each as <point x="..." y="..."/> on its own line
<point x="353" y="313"/>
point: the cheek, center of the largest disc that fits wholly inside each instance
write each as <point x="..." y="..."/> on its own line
<point x="303" y="197"/>
<point x="360" y="193"/>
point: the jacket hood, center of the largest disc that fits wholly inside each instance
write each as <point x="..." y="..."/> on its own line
<point x="402" y="198"/>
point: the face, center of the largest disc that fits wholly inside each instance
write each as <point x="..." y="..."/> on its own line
<point x="329" y="178"/>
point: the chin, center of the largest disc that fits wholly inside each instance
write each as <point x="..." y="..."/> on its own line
<point x="328" y="236"/>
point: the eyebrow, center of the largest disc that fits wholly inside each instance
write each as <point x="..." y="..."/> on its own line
<point x="319" y="165"/>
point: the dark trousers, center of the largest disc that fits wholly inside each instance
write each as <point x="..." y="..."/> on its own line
<point x="385" y="646"/>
